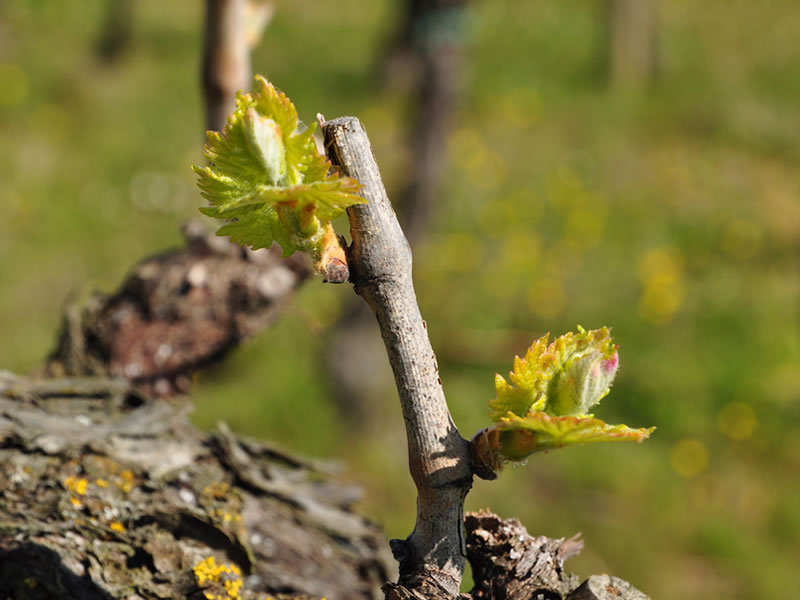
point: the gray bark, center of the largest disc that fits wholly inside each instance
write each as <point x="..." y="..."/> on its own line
<point x="432" y="557"/>
<point x="606" y="587"/>
<point x="107" y="493"/>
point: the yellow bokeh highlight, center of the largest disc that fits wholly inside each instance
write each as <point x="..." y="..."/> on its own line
<point x="488" y="174"/>
<point x="737" y="421"/>
<point x="522" y="107"/>
<point x="660" y="271"/>
<point x="584" y="227"/>
<point x="520" y="251"/>
<point x="13" y="84"/>
<point x="460" y="252"/>
<point x="546" y="298"/>
<point x="659" y="263"/>
<point x="562" y="259"/>
<point x="466" y="148"/>
<point x="689" y="457"/>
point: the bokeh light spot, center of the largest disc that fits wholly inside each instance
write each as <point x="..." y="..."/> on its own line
<point x="737" y="421"/>
<point x="660" y="301"/>
<point x="466" y="148"/>
<point x="522" y="107"/>
<point x="460" y="252"/>
<point x="660" y="271"/>
<point x="521" y="251"/>
<point x="658" y="262"/>
<point x="546" y="298"/>
<point x="584" y="227"/>
<point x="489" y="173"/>
<point x="689" y="457"/>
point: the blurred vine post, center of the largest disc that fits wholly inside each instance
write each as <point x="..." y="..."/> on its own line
<point x="428" y="46"/>
<point x="114" y="38"/>
<point x="425" y="53"/>
<point x="632" y="42"/>
<point x="232" y="29"/>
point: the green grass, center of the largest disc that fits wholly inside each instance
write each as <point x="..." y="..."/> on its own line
<point x="672" y="216"/>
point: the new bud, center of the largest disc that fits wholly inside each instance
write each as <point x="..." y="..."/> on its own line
<point x="585" y="380"/>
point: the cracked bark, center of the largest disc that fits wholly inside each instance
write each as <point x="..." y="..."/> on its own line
<point x="108" y="493"/>
<point x="176" y="313"/>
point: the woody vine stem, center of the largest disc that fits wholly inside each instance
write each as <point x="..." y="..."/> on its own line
<point x="432" y="557"/>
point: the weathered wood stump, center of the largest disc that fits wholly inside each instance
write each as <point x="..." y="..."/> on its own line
<point x="510" y="564"/>
<point x="107" y="493"/>
<point x="177" y="312"/>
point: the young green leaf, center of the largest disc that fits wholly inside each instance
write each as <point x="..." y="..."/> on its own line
<point x="546" y="401"/>
<point x="267" y="179"/>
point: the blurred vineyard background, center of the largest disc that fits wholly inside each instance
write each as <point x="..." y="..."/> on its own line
<point x="670" y="214"/>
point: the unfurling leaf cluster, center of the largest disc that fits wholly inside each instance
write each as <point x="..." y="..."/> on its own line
<point x="269" y="182"/>
<point x="546" y="401"/>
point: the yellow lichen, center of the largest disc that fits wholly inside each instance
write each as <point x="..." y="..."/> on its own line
<point x="126" y="480"/>
<point x="117" y="526"/>
<point x="232" y="586"/>
<point x="209" y="572"/>
<point x="78" y="485"/>
<point x="100" y="482"/>
<point x="218" y="489"/>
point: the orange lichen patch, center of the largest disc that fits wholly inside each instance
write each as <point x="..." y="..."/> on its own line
<point x="77" y="485"/>
<point x="218" y="489"/>
<point x="126" y="480"/>
<point x="233" y="586"/>
<point x="100" y="482"/>
<point x="75" y="502"/>
<point x="117" y="526"/>
<point x="225" y="516"/>
<point x="208" y="572"/>
<point x="273" y="597"/>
